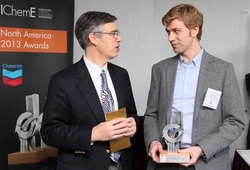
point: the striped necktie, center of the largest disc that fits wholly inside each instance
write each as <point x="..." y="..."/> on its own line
<point x="108" y="106"/>
<point x="106" y="97"/>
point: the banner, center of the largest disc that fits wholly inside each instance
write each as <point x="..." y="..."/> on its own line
<point x="36" y="41"/>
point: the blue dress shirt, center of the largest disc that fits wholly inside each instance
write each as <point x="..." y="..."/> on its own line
<point x="184" y="94"/>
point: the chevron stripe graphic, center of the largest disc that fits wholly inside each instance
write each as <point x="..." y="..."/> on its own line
<point x="12" y="82"/>
<point x="12" y="74"/>
<point x="12" y="78"/>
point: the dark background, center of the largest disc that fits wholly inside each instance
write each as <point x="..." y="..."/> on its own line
<point x="37" y="67"/>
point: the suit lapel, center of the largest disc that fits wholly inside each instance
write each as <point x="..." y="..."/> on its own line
<point x="87" y="88"/>
<point x="115" y="80"/>
<point x="203" y="81"/>
<point x="171" y="70"/>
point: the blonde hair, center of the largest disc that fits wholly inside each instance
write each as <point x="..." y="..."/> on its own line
<point x="187" y="13"/>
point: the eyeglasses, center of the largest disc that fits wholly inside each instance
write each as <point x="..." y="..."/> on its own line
<point x="113" y="34"/>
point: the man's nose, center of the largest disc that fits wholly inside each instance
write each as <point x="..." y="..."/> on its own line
<point x="171" y="36"/>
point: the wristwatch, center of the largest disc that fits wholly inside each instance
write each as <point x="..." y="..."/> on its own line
<point x="203" y="156"/>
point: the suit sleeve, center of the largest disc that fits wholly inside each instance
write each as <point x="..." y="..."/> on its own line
<point x="131" y="107"/>
<point x="230" y="112"/>
<point x="57" y="130"/>
<point x="151" y="131"/>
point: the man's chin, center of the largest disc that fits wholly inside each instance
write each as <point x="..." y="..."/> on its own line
<point x="111" y="57"/>
<point x="177" y="50"/>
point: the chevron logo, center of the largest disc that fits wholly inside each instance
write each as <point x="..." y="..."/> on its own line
<point x="12" y="78"/>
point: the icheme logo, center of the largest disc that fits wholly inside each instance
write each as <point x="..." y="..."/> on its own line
<point x="10" y="10"/>
<point x="12" y="74"/>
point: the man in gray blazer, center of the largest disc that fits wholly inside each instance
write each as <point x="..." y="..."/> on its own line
<point x="182" y="83"/>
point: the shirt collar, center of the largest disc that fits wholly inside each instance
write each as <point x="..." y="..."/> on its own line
<point x="93" y="67"/>
<point x="196" y="60"/>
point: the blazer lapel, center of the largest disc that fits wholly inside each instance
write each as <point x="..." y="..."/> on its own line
<point x="203" y="81"/>
<point x="171" y="70"/>
<point x="116" y="84"/>
<point x="87" y="88"/>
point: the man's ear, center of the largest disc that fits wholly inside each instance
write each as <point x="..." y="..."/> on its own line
<point x="93" y="38"/>
<point x="195" y="31"/>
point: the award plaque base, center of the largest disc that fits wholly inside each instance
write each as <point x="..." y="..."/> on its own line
<point x="27" y="157"/>
<point x="51" y="152"/>
<point x="35" y="156"/>
<point x="167" y="157"/>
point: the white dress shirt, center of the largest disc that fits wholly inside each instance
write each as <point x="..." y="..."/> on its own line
<point x="95" y="73"/>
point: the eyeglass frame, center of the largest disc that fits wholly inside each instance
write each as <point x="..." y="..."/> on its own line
<point x="113" y="34"/>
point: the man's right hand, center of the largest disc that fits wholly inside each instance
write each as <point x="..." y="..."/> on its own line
<point x="109" y="130"/>
<point x="154" y="150"/>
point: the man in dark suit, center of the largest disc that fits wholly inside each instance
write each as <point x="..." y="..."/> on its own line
<point x="204" y="88"/>
<point x="247" y="77"/>
<point x="74" y="120"/>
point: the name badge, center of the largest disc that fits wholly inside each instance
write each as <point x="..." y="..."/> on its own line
<point x="212" y="98"/>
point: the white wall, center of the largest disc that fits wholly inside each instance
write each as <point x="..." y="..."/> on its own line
<point x="226" y="34"/>
<point x="136" y="52"/>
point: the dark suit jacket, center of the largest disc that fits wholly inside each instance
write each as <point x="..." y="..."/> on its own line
<point x="73" y="108"/>
<point x="248" y="83"/>
<point x="248" y="90"/>
<point x="213" y="129"/>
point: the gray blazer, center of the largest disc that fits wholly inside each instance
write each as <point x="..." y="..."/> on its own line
<point x="213" y="130"/>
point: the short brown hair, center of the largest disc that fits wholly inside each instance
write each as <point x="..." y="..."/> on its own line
<point x="187" y="13"/>
<point x="89" y="22"/>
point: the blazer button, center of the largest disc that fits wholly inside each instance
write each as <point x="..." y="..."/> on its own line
<point x="107" y="151"/>
<point x="81" y="152"/>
